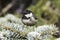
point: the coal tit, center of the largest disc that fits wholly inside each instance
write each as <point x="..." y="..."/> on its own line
<point x="29" y="18"/>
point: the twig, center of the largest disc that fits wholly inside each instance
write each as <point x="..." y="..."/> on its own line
<point x="5" y="9"/>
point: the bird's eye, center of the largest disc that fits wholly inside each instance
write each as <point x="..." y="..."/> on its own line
<point x="29" y="17"/>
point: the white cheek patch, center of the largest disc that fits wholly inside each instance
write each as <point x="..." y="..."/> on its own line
<point x="29" y="15"/>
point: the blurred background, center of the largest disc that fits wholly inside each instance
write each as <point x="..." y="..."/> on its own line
<point x="47" y="11"/>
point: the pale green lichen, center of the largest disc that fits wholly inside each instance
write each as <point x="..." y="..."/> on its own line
<point x="15" y="29"/>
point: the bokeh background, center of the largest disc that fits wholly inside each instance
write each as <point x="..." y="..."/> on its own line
<point x="47" y="12"/>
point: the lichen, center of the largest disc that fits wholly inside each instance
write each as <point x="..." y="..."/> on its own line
<point x="16" y="29"/>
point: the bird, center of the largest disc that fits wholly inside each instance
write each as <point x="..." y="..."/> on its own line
<point x="29" y="18"/>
